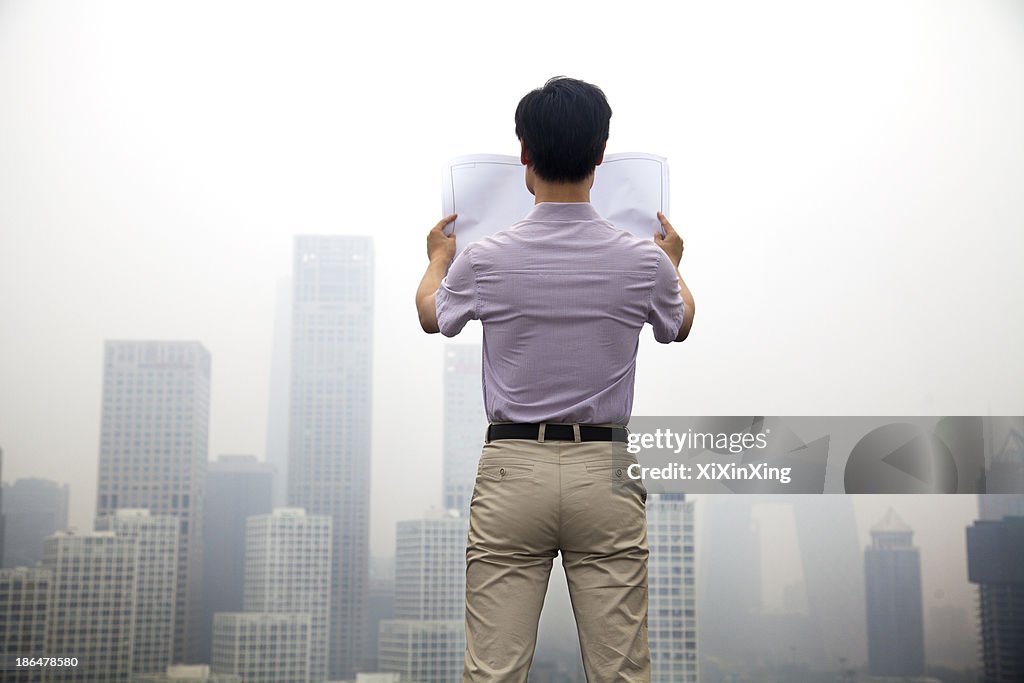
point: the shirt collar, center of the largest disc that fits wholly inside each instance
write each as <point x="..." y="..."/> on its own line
<point x="563" y="211"/>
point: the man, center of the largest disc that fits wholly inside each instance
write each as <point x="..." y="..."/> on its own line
<point x="562" y="296"/>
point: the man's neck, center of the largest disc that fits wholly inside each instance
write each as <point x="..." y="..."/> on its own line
<point x="544" y="191"/>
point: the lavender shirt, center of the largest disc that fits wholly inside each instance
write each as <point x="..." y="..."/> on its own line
<point x="562" y="295"/>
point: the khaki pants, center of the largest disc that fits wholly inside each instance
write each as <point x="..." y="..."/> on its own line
<point x="533" y="499"/>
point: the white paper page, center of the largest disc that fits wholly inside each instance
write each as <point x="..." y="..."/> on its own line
<point x="489" y="193"/>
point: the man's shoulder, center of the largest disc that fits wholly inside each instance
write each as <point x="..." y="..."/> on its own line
<point x="494" y="243"/>
<point x="629" y="245"/>
<point x="526" y="239"/>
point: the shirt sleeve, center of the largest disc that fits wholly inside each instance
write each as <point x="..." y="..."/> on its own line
<point x="456" y="297"/>
<point x="667" y="307"/>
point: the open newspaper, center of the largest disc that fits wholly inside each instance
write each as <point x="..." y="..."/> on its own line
<point x="489" y="193"/>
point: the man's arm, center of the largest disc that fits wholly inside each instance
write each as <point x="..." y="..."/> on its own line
<point x="440" y="252"/>
<point x="672" y="244"/>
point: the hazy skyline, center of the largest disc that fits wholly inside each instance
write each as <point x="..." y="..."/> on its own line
<point x="846" y="179"/>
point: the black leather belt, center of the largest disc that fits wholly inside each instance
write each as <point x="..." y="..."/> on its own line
<point x="553" y="432"/>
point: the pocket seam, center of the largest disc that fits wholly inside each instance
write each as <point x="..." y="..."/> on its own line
<point x="516" y="471"/>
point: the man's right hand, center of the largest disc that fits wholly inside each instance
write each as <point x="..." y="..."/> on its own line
<point x="441" y="247"/>
<point x="441" y="253"/>
<point x="671" y="243"/>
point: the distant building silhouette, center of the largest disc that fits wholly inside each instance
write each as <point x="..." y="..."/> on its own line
<point x="91" y="606"/>
<point x="672" y="592"/>
<point x="426" y="642"/>
<point x="155" y="539"/>
<point x="33" y="509"/>
<point x="994" y="552"/>
<point x="430" y="567"/>
<point x="464" y="423"/>
<point x="192" y="673"/>
<point x="995" y="506"/>
<point x="262" y="647"/>
<point x="330" y="418"/>
<point x="153" y="449"/>
<point x="949" y="638"/>
<point x="23" y="602"/>
<point x="731" y="623"/>
<point x="377" y="677"/>
<point x="892" y="575"/>
<point x="287" y="569"/>
<point x="237" y="487"/>
<point x="421" y="650"/>
<point x="380" y="606"/>
<point x="276" y="446"/>
<point x="731" y="576"/>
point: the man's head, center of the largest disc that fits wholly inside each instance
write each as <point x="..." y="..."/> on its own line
<point x="563" y="128"/>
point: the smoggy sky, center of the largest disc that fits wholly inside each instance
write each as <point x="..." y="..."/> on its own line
<point x="846" y="176"/>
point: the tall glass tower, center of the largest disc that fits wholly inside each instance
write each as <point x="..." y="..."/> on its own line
<point x="154" y="436"/>
<point x="672" y="590"/>
<point x="426" y="640"/>
<point x="287" y="569"/>
<point x="329" y="418"/>
<point x="464" y="423"/>
<point x="156" y="558"/>
<point x="892" y="576"/>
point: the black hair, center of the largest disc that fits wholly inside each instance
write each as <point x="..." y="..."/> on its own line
<point x="563" y="126"/>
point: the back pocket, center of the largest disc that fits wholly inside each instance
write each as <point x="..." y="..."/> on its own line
<point x="505" y="472"/>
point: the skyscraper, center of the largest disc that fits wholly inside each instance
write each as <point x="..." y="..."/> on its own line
<point x="276" y="447"/>
<point x="426" y="641"/>
<point x="287" y="569"/>
<point x="91" y="607"/>
<point x="731" y="574"/>
<point x="424" y="651"/>
<point x="994" y="552"/>
<point x="464" y="423"/>
<point x="237" y="487"/>
<point x="192" y="673"/>
<point x="829" y="522"/>
<point x="380" y="605"/>
<point x="33" y="509"/>
<point x="23" y="601"/>
<point x="153" y="450"/>
<point x="155" y="540"/>
<point x="262" y="647"/>
<point x="430" y="567"/>
<point x="949" y="639"/>
<point x="995" y="506"/>
<point x="892" y="577"/>
<point x="329" y="418"/>
<point x="671" y="609"/>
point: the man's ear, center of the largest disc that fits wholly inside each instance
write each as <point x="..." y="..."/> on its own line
<point x="523" y="159"/>
<point x="600" y="157"/>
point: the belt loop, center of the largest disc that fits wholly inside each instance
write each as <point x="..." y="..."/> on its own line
<point x="576" y="432"/>
<point x="487" y="434"/>
<point x="540" y="432"/>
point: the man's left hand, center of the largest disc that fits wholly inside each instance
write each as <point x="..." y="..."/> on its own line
<point x="671" y="243"/>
